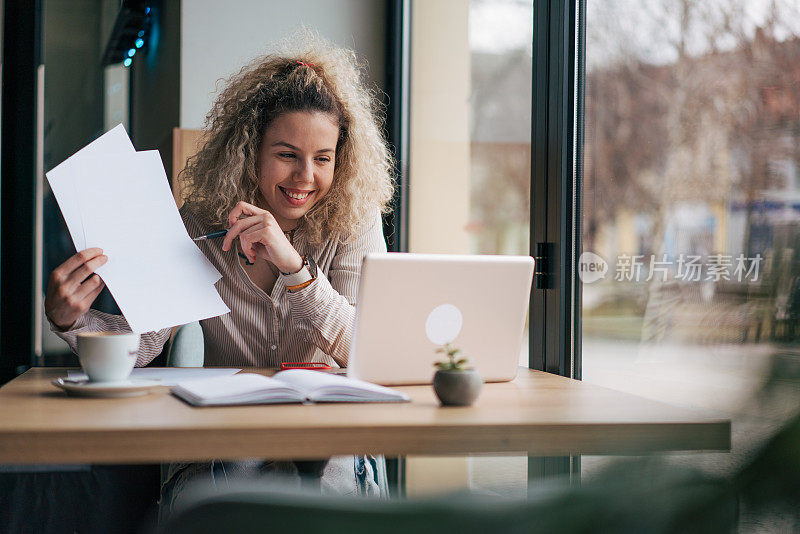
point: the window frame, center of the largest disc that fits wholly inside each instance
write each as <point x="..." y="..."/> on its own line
<point x="21" y="62"/>
<point x="556" y="182"/>
<point x="557" y="131"/>
<point x="398" y="84"/>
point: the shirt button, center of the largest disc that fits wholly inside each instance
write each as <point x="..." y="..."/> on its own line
<point x="273" y="347"/>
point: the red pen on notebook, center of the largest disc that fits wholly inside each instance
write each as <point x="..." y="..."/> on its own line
<point x="314" y="366"/>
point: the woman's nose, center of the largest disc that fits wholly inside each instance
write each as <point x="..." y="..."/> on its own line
<point x="305" y="171"/>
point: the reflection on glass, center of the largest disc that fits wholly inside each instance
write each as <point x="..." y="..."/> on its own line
<point x="500" y="38"/>
<point x="691" y="199"/>
<point x="73" y="116"/>
<point x="501" y="44"/>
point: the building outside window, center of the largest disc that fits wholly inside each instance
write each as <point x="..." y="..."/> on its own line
<point x="691" y="204"/>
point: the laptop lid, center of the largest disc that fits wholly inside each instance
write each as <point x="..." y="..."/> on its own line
<point x="411" y="304"/>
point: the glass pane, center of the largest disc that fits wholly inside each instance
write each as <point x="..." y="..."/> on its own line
<point x="501" y="43"/>
<point x="691" y="222"/>
<point x="500" y="39"/>
<point x="81" y="101"/>
<point x="469" y="155"/>
<point x="469" y="169"/>
<point x="501" y="52"/>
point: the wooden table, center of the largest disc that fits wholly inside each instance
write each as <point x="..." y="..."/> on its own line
<point x="538" y="413"/>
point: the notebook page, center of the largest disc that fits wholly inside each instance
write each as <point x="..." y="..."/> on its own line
<point x="242" y="388"/>
<point x="328" y="387"/>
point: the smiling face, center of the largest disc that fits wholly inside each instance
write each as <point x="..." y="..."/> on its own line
<point x="296" y="161"/>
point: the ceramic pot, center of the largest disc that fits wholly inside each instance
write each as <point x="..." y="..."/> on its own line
<point x="457" y="388"/>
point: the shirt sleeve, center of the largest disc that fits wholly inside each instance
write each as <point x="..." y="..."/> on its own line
<point x="150" y="345"/>
<point x="326" y="308"/>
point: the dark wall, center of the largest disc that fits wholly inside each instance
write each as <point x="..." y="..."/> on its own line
<point x="21" y="56"/>
<point x="155" y="80"/>
<point x="73" y="94"/>
<point x="73" y="40"/>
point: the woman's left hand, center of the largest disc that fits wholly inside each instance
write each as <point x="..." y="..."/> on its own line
<point x="260" y="236"/>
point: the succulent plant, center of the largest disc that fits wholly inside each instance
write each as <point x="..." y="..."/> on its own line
<point x="452" y="364"/>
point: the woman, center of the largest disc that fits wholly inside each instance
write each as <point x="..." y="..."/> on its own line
<point x="295" y="167"/>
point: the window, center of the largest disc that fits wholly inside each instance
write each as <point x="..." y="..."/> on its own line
<point x="690" y="265"/>
<point x="469" y="166"/>
<point x="470" y="139"/>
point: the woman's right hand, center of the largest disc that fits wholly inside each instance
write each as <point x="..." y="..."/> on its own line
<point x="73" y="287"/>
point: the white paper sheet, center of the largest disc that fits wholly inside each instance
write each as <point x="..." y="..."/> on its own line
<point x="136" y="214"/>
<point x="120" y="200"/>
<point x="169" y="376"/>
<point x="61" y="178"/>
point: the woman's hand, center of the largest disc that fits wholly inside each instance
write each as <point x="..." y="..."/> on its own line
<point x="73" y="287"/>
<point x="260" y="236"/>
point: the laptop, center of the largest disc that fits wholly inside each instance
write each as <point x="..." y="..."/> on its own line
<point x="411" y="304"/>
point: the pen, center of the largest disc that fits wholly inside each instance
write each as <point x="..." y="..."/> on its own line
<point x="212" y="235"/>
<point x="315" y="366"/>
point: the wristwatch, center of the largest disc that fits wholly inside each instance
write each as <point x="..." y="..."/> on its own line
<point x="302" y="278"/>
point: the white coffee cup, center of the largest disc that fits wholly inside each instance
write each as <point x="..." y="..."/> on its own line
<point x="107" y="356"/>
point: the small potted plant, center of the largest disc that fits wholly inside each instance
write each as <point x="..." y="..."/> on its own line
<point x="455" y="384"/>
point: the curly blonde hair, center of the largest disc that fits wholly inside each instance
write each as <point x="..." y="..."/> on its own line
<point x="314" y="76"/>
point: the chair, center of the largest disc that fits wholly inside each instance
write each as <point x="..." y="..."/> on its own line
<point x="245" y="508"/>
<point x="628" y="497"/>
<point x="658" y="500"/>
<point x="786" y="316"/>
<point x="187" y="348"/>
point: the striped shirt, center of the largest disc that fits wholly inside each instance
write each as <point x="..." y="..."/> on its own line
<point x="313" y="324"/>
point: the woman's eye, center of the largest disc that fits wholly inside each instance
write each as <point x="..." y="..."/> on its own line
<point x="286" y="155"/>
<point x="324" y="159"/>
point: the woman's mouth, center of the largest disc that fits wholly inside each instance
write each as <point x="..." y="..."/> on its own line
<point x="295" y="197"/>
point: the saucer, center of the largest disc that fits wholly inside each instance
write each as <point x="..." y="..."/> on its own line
<point x="133" y="387"/>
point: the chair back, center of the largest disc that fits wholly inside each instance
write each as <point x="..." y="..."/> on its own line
<point x="247" y="508"/>
<point x="187" y="347"/>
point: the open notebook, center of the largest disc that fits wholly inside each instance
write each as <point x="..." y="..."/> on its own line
<point x="296" y="385"/>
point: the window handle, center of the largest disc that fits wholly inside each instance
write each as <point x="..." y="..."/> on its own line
<point x="543" y="275"/>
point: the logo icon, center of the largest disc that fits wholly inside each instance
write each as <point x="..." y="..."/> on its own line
<point x="591" y="267"/>
<point x="444" y="324"/>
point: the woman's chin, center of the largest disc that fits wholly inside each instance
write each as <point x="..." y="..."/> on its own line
<point x="289" y="217"/>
